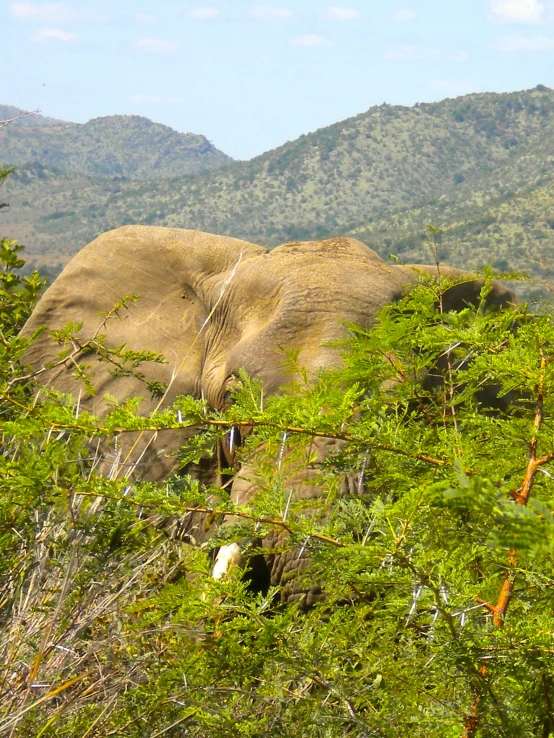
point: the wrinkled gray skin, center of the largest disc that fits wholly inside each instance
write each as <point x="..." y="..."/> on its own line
<point x="212" y="306"/>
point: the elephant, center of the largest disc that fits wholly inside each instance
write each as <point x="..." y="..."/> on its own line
<point x="215" y="306"/>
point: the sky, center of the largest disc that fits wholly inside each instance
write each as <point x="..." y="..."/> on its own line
<point x="250" y="75"/>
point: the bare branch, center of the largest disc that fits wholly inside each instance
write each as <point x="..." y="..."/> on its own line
<point x="18" y="117"/>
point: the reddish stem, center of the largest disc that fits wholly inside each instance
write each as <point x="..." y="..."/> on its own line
<point x="521" y="496"/>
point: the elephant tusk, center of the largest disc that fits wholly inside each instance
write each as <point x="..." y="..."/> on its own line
<point x="232" y="433"/>
<point x="228" y="558"/>
<point x="229" y="445"/>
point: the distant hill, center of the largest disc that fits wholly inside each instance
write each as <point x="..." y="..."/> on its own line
<point x="117" y="145"/>
<point x="478" y="165"/>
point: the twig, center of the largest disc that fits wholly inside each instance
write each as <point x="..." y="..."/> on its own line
<point x="193" y="711"/>
<point x="62" y="688"/>
<point x="78" y="349"/>
<point x="352" y="714"/>
<point x="106" y="432"/>
<point x="223" y="513"/>
<point x="548" y="700"/>
<point x="18" y="117"/>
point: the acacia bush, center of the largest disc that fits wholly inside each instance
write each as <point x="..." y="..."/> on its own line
<point x="437" y="566"/>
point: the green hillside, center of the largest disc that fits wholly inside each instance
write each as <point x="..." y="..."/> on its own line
<point x="117" y="145"/>
<point x="504" y="219"/>
<point x="479" y="165"/>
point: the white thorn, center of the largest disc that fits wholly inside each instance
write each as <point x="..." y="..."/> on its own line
<point x="363" y="469"/>
<point x="282" y="450"/>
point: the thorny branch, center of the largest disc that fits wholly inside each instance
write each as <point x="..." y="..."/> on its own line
<point x="352" y="714"/>
<point x="215" y="512"/>
<point x="106" y="432"/>
<point x="521" y="496"/>
<point x="116" y="431"/>
<point x="78" y="350"/>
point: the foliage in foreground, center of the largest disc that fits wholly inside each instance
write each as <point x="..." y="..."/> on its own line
<point x="437" y="565"/>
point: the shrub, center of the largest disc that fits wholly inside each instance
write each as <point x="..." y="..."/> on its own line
<point x="437" y="565"/>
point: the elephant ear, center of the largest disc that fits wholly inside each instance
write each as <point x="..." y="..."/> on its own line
<point x="176" y="276"/>
<point x="466" y="292"/>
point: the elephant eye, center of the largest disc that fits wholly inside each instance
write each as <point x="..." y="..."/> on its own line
<point x="228" y="390"/>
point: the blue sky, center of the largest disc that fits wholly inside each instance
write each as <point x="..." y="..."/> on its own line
<point x="251" y="75"/>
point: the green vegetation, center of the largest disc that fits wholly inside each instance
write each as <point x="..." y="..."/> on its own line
<point x="479" y="164"/>
<point x="436" y="564"/>
<point x="508" y="222"/>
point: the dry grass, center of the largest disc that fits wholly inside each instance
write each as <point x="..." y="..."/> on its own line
<point x="68" y="639"/>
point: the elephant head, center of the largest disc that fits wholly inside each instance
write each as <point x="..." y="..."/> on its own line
<point x="214" y="306"/>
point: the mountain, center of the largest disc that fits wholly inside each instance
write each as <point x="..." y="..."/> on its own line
<point x="478" y="165"/>
<point x="117" y="145"/>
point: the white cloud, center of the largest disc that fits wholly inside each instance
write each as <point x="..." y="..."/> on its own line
<point x="412" y="53"/>
<point x="516" y="11"/>
<point x="404" y="15"/>
<point x="49" y="12"/>
<point x="514" y="44"/>
<point x="156" y="45"/>
<point x="271" y="14"/>
<point x="154" y="100"/>
<point x="310" y="40"/>
<point x="145" y="18"/>
<point x="204" y="13"/>
<point x="45" y="34"/>
<point x="342" y="14"/>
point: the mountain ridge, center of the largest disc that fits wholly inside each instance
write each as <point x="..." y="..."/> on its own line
<point x="378" y="175"/>
<point x="116" y="145"/>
